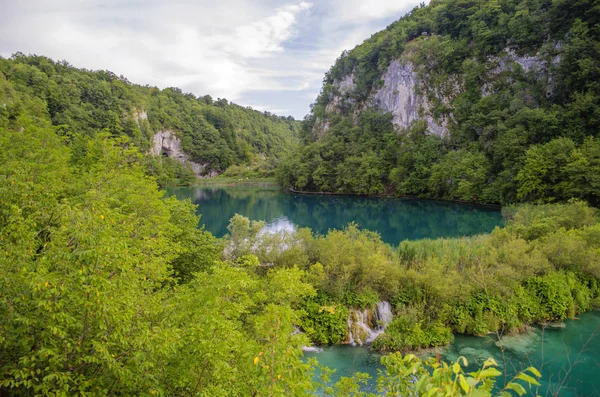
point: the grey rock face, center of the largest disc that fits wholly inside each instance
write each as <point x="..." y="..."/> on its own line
<point x="166" y="142"/>
<point x="405" y="84"/>
<point x="140" y="115"/>
<point x="346" y="85"/>
<point x="533" y="65"/>
<point x="527" y="62"/>
<point x="399" y="96"/>
<point x="344" y="88"/>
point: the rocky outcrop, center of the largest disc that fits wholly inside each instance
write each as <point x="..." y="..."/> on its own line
<point x="346" y="85"/>
<point x="409" y="96"/>
<point x="400" y="96"/>
<point x="341" y="95"/>
<point x="509" y="58"/>
<point x="536" y="66"/>
<point x="167" y="143"/>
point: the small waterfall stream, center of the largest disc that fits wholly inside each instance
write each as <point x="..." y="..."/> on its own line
<point x="365" y="325"/>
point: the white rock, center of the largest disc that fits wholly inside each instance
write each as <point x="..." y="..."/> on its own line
<point x="167" y="142"/>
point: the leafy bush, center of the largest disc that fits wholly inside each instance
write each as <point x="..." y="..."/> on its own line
<point x="406" y="333"/>
<point x="325" y="322"/>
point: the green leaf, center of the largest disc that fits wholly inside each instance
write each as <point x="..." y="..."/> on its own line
<point x="517" y="388"/>
<point x="463" y="383"/>
<point x="479" y="393"/>
<point x="489" y="373"/>
<point x="456" y="368"/>
<point x="534" y="371"/>
<point x="472" y="381"/>
<point x="528" y="379"/>
<point x="421" y="382"/>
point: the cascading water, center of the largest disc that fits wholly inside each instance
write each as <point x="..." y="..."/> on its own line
<point x="366" y="325"/>
<point x="384" y="313"/>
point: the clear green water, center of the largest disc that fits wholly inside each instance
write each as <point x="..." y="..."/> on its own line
<point x="553" y="352"/>
<point x="394" y="219"/>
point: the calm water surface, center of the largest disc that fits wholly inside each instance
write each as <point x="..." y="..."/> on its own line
<point x="394" y="219"/>
<point x="551" y="351"/>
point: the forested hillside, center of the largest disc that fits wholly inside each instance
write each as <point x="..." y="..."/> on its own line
<point x="494" y="101"/>
<point x="213" y="134"/>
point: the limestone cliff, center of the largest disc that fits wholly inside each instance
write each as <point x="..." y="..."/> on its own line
<point x="166" y="143"/>
<point x="410" y="92"/>
<point x="450" y="100"/>
<point x="400" y="96"/>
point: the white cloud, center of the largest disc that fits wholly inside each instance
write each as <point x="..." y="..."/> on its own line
<point x="266" y="36"/>
<point x="355" y="10"/>
<point x="260" y="52"/>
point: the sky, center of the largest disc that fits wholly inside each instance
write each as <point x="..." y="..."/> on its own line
<point x="268" y="54"/>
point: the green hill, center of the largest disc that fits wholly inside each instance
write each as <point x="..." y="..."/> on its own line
<point x="209" y="135"/>
<point x="494" y="101"/>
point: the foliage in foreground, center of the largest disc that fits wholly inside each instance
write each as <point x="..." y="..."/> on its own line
<point x="411" y="376"/>
<point x="108" y="288"/>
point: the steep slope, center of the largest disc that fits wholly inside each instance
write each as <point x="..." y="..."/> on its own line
<point x="203" y="136"/>
<point x="494" y="101"/>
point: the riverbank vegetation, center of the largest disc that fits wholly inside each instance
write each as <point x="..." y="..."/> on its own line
<point x="221" y="181"/>
<point x="543" y="266"/>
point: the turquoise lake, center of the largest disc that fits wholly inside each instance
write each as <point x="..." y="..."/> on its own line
<point x="394" y="219"/>
<point x="553" y="350"/>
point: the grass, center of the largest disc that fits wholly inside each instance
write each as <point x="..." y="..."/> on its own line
<point x="449" y="251"/>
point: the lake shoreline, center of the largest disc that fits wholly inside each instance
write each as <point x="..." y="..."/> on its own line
<point x="272" y="183"/>
<point x="470" y="203"/>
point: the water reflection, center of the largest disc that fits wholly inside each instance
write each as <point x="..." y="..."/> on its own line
<point x="394" y="219"/>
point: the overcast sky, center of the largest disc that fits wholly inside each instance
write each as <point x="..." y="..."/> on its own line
<point x="269" y="54"/>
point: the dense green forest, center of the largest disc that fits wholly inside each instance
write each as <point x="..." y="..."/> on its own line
<point x="109" y="289"/>
<point x="516" y="81"/>
<point x="82" y="103"/>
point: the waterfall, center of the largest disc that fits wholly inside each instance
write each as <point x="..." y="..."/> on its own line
<point x="384" y="313"/>
<point x="366" y="325"/>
